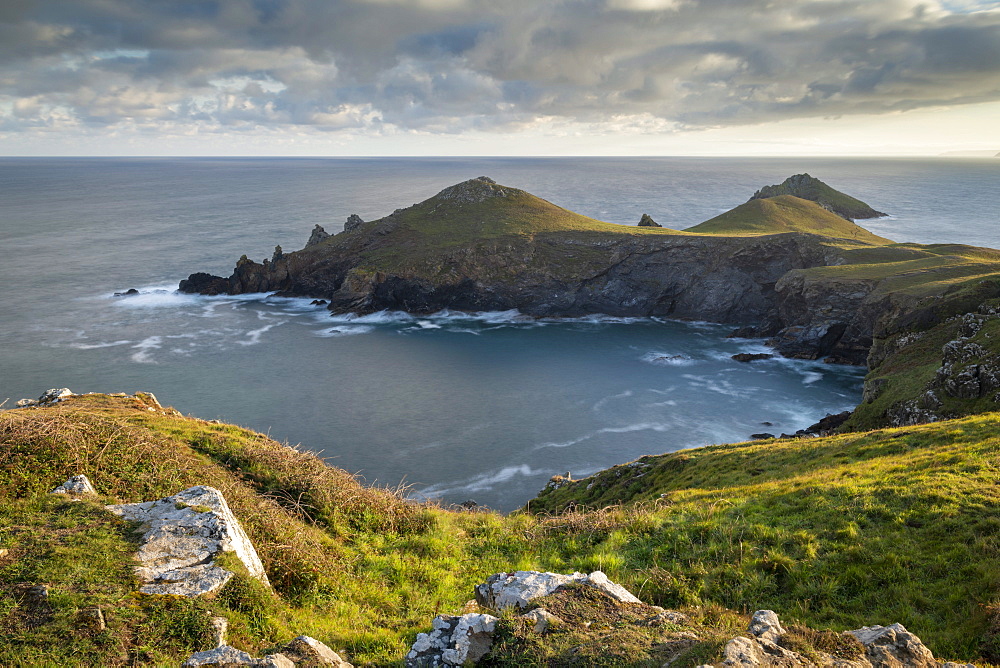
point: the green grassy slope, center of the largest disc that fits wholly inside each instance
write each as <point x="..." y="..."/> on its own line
<point x="810" y="188"/>
<point x="895" y="525"/>
<point x="781" y="214"/>
<point x="901" y="524"/>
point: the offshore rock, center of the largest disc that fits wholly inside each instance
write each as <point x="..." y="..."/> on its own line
<point x="184" y="533"/>
<point x="204" y="284"/>
<point x="505" y="590"/>
<point x="454" y="641"/>
<point x="647" y="221"/>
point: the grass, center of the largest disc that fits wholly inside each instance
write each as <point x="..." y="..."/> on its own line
<point x="837" y="532"/>
<point x="782" y="214"/>
<point x="893" y="525"/>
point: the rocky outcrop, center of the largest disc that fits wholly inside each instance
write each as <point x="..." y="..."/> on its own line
<point x="49" y="397"/>
<point x="647" y="221"/>
<point x="78" y="485"/>
<point x="301" y="651"/>
<point x="454" y="641"/>
<point x="308" y="651"/>
<point x="230" y="657"/>
<point x="894" y="647"/>
<point x="505" y="590"/>
<point x="317" y="235"/>
<point x="183" y="535"/>
<point x="353" y="222"/>
<point x="869" y="647"/>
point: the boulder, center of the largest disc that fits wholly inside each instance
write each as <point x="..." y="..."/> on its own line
<point x="318" y="234"/>
<point x="894" y="647"/>
<point x="505" y="590"/>
<point x="131" y="292"/>
<point x="183" y="535"/>
<point x="741" y="651"/>
<point x="230" y="656"/>
<point x="453" y="641"/>
<point x="647" y="221"/>
<point x="78" y="485"/>
<point x="312" y="652"/>
<point x="765" y="625"/>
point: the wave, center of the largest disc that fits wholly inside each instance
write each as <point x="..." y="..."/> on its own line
<point x="481" y="483"/>
<point x="660" y="358"/>
<point x="145" y="348"/>
<point x="343" y="330"/>
<point x="105" y="344"/>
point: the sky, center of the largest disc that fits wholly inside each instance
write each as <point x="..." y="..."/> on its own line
<point x="499" y="77"/>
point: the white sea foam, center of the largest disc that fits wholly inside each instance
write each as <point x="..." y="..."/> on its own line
<point x="810" y="377"/>
<point x="483" y="482"/>
<point x="144" y="349"/>
<point x="253" y="336"/>
<point x="721" y="386"/>
<point x="105" y="344"/>
<point x="601" y="403"/>
<point x="660" y="358"/>
<point x="625" y="429"/>
<point x="343" y="330"/>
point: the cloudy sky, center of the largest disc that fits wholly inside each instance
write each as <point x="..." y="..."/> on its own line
<point x="492" y="77"/>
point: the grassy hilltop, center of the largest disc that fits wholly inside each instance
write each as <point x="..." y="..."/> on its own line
<point x="839" y="532"/>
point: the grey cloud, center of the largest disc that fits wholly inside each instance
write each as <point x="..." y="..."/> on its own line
<point x="452" y="65"/>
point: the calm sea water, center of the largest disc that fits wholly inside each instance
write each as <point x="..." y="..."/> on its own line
<point x="459" y="406"/>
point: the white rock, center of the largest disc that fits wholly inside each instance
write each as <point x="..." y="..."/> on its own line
<point x="55" y="395"/>
<point x="893" y="646"/>
<point x="183" y="535"/>
<point x="748" y="652"/>
<point x="504" y="590"/>
<point x="454" y="641"/>
<point x="222" y="656"/>
<point x="765" y="624"/>
<point x="310" y="651"/>
<point x="77" y="485"/>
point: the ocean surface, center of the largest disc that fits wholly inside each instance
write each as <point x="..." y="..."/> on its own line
<point x="456" y="406"/>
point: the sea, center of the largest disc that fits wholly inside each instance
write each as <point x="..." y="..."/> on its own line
<point x="450" y="406"/>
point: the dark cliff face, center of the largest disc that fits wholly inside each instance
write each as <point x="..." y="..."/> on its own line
<point x="729" y="280"/>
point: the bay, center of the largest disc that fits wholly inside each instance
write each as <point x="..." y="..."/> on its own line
<point x="485" y="406"/>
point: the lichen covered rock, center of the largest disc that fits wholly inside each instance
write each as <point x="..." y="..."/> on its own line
<point x="453" y="641"/>
<point x="505" y="590"/>
<point x="184" y="533"/>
